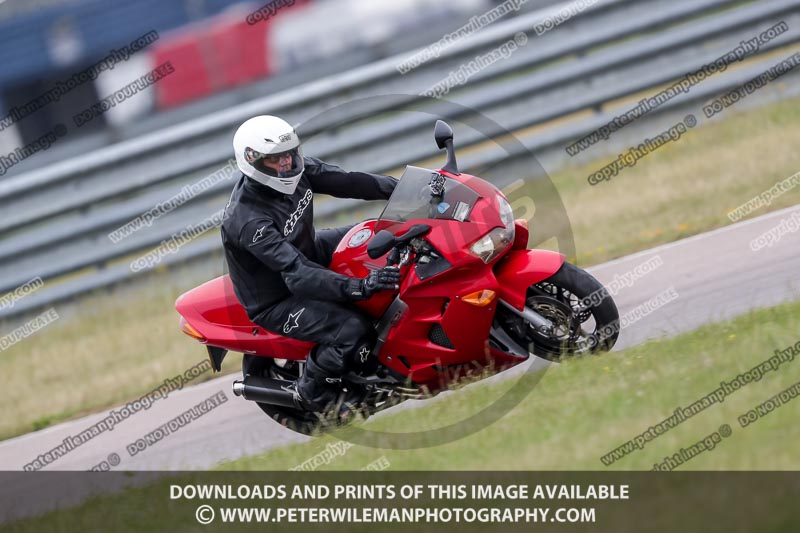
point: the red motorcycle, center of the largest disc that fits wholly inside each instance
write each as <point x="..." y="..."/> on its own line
<point x="472" y="297"/>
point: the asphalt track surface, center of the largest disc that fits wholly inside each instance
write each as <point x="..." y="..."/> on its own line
<point x="715" y="275"/>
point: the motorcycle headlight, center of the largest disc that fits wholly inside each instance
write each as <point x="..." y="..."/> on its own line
<point x="496" y="241"/>
<point x="506" y="214"/>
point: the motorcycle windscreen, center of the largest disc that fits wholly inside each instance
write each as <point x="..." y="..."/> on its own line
<point x="425" y="194"/>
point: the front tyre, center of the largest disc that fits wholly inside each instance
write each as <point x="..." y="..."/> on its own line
<point x="582" y="315"/>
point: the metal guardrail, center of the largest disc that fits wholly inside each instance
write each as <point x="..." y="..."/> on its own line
<point x="651" y="43"/>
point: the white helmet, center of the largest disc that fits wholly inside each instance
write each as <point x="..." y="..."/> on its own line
<point x="264" y="136"/>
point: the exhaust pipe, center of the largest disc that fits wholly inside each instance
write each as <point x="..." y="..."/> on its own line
<point x="265" y="390"/>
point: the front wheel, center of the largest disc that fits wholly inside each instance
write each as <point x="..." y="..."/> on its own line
<point x="582" y="317"/>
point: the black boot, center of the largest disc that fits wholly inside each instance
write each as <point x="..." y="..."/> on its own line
<point x="317" y="389"/>
<point x="320" y="392"/>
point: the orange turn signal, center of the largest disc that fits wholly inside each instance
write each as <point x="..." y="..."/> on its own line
<point x="189" y="330"/>
<point x="522" y="222"/>
<point x="480" y="298"/>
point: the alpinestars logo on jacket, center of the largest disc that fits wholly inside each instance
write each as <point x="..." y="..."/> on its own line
<point x="294" y="217"/>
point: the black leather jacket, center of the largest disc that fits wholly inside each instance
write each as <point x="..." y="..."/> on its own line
<point x="268" y="236"/>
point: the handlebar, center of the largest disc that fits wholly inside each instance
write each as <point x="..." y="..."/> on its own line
<point x="400" y="255"/>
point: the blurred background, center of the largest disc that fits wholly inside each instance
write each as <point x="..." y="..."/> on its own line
<point x="220" y="59"/>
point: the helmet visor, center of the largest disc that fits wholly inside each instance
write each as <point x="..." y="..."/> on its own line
<point x="270" y="163"/>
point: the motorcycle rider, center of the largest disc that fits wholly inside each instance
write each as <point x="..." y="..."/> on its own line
<point x="279" y="266"/>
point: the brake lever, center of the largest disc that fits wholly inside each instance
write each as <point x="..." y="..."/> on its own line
<point x="405" y="257"/>
<point x="393" y="258"/>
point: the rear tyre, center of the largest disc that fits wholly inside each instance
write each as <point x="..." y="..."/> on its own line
<point x="294" y="419"/>
<point x="583" y="316"/>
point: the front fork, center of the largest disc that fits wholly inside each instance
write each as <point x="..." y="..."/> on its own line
<point x="503" y="341"/>
<point x="516" y="272"/>
<point x="537" y="320"/>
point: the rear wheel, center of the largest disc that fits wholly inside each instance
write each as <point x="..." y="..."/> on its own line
<point x="583" y="317"/>
<point x="294" y="419"/>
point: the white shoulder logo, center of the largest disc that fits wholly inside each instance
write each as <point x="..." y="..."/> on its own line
<point x="259" y="234"/>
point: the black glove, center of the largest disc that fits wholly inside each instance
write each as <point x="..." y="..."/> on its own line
<point x="385" y="278"/>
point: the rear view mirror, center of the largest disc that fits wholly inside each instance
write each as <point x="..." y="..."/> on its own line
<point x="382" y="242"/>
<point x="442" y="133"/>
<point x="413" y="232"/>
